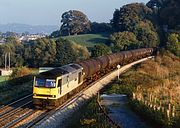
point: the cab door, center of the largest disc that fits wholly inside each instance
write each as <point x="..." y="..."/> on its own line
<point x="60" y="86"/>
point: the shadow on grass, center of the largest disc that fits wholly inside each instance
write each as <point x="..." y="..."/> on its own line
<point x="14" y="89"/>
<point x="99" y="40"/>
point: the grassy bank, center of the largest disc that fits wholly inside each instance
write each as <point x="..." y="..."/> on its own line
<point x="153" y="89"/>
<point x="18" y="85"/>
<point x="88" y="116"/>
<point x="89" y="40"/>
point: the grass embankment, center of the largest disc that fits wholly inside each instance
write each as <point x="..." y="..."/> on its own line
<point x="153" y="88"/>
<point x="16" y="87"/>
<point x="88" y="116"/>
<point x="3" y="78"/>
<point x="89" y="40"/>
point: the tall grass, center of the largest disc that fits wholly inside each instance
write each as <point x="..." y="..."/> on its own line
<point x="157" y="86"/>
<point x="154" y="89"/>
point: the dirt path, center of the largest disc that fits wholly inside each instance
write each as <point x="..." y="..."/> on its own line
<point x="120" y="112"/>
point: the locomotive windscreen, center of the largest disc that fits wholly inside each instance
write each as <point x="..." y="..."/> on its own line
<point x="48" y="83"/>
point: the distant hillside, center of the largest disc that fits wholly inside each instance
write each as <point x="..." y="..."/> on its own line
<point x="89" y="40"/>
<point x="32" y="29"/>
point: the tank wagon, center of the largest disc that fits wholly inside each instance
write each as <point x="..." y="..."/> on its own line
<point x="52" y="88"/>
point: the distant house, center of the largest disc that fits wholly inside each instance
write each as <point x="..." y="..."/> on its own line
<point x="4" y="72"/>
<point x="2" y="41"/>
<point x="31" y="37"/>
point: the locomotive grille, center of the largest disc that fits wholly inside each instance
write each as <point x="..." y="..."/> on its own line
<point x="43" y="95"/>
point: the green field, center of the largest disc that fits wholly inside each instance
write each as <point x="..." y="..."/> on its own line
<point x="89" y="40"/>
<point x="3" y="78"/>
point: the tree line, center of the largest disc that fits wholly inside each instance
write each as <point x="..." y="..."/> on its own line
<point x="133" y="26"/>
<point x="43" y="52"/>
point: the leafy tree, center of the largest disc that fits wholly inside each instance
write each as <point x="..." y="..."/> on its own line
<point x="43" y="52"/>
<point x="129" y="15"/>
<point x="173" y="44"/>
<point x="155" y="4"/>
<point x="12" y="39"/>
<point x="100" y="50"/>
<point x="55" y="34"/>
<point x="124" y="41"/>
<point x="100" y="27"/>
<point x="74" y="22"/>
<point x="68" y="52"/>
<point x="146" y="34"/>
<point x="166" y="15"/>
<point x="115" y="22"/>
<point x="135" y="18"/>
<point x="15" y="49"/>
<point x="163" y="9"/>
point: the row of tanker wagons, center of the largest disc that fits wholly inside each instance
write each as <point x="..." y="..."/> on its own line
<point x="52" y="88"/>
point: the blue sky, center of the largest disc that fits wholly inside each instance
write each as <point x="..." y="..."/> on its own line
<point x="48" y="12"/>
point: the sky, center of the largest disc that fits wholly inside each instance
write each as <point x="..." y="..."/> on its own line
<point x="48" y="12"/>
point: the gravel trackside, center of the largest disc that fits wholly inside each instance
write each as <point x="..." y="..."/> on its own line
<point x="57" y="119"/>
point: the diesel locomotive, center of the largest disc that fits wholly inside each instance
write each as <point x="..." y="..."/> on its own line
<point x="53" y="87"/>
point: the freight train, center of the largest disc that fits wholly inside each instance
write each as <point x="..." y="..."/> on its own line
<point x="52" y="88"/>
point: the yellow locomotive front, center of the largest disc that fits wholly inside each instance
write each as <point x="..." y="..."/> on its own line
<point x="54" y="87"/>
<point x="44" y="92"/>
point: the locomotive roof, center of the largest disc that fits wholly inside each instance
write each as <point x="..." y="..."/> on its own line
<point x="56" y="72"/>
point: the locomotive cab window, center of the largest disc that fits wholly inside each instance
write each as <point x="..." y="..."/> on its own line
<point x="51" y="83"/>
<point x="40" y="82"/>
<point x="47" y="83"/>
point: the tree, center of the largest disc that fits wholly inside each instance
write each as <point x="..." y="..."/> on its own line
<point x="74" y="22"/>
<point x="100" y="50"/>
<point x="135" y="18"/>
<point x="155" y="4"/>
<point x="166" y="15"/>
<point x="124" y="41"/>
<point x="55" y="34"/>
<point x="173" y="44"/>
<point x="146" y="34"/>
<point x="100" y="27"/>
<point x="129" y="15"/>
<point x="12" y="39"/>
<point x="68" y="52"/>
<point x="163" y="9"/>
<point x="115" y="22"/>
<point x="43" y="52"/>
<point x="15" y="49"/>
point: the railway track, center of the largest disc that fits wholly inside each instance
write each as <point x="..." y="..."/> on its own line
<point x="20" y="114"/>
<point x="60" y="117"/>
<point x="47" y="113"/>
<point x="7" y="108"/>
<point x="65" y="104"/>
<point x="9" y="113"/>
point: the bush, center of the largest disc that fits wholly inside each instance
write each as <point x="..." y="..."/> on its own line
<point x="20" y="72"/>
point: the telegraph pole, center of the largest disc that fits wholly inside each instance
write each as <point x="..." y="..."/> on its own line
<point x="5" y="57"/>
<point x="9" y="61"/>
<point x="118" y="66"/>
